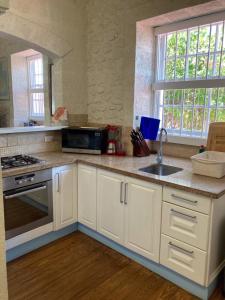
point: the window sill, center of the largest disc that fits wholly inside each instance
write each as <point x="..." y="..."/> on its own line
<point x="186" y="140"/>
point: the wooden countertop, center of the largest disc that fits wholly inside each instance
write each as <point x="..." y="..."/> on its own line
<point x="129" y="166"/>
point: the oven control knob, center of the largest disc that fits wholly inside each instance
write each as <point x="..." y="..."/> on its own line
<point x="31" y="179"/>
<point x="20" y="182"/>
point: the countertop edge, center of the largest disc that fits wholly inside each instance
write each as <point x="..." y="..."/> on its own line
<point x="72" y="160"/>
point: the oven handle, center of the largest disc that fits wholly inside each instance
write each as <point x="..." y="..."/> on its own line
<point x="44" y="187"/>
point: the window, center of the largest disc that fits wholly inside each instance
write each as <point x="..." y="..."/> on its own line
<point x="36" y="86"/>
<point x="190" y="80"/>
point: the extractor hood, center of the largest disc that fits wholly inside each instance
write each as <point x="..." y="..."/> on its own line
<point x="4" y="6"/>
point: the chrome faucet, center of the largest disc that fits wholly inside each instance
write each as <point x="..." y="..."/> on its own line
<point x="160" y="151"/>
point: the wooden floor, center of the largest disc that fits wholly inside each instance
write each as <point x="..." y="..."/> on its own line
<point x="78" y="267"/>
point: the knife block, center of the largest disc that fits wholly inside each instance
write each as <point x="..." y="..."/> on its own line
<point x="141" y="149"/>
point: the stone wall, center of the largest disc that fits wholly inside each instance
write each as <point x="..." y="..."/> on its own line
<point x="111" y="45"/>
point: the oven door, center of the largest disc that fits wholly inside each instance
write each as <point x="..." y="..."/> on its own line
<point x="27" y="208"/>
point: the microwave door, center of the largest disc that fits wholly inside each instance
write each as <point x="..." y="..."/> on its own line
<point x="77" y="140"/>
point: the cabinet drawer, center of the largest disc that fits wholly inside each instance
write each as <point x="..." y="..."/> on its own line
<point x="187" y="200"/>
<point x="183" y="259"/>
<point x="185" y="225"/>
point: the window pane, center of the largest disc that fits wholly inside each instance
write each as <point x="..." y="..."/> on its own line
<point x="177" y="118"/>
<point x="193" y="53"/>
<point x="191" y="67"/>
<point x="170" y="70"/>
<point x="203" y="44"/>
<point x="180" y="68"/>
<point x="168" y="117"/>
<point x="37" y="104"/>
<point x="221" y="97"/>
<point x="187" y="119"/>
<point x="200" y="97"/>
<point x="193" y="38"/>
<point x="220" y="37"/>
<point x="222" y="68"/>
<point x="213" y="38"/>
<point x="189" y="97"/>
<point x="189" y="111"/>
<point x="181" y="42"/>
<point x="177" y="97"/>
<point x="220" y="115"/>
<point x="171" y="44"/>
<point x="201" y="66"/>
<point x="198" y="117"/>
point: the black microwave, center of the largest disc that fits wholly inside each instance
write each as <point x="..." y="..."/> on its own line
<point x="90" y="140"/>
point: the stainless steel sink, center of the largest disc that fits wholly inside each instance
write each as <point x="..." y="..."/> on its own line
<point x="160" y="169"/>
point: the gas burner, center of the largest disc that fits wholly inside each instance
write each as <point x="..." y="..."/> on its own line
<point x="18" y="161"/>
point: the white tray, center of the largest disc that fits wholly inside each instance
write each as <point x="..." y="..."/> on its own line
<point x="209" y="163"/>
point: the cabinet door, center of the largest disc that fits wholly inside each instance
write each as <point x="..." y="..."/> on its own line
<point x="65" y="199"/>
<point x="143" y="217"/>
<point x="110" y="205"/>
<point x="87" y="195"/>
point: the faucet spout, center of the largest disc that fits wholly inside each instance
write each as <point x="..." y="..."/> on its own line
<point x="160" y="151"/>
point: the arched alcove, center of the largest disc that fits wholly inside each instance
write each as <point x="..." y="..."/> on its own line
<point x="36" y="36"/>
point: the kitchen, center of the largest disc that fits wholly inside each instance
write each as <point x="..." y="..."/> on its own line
<point x="94" y="59"/>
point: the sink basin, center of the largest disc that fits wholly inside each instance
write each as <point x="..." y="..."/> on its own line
<point x="160" y="169"/>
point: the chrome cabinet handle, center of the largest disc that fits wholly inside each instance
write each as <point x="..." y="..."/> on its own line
<point x="181" y="249"/>
<point x="58" y="183"/>
<point x="183" y="214"/>
<point x="184" y="199"/>
<point x="125" y="193"/>
<point x="121" y="192"/>
<point x="26" y="192"/>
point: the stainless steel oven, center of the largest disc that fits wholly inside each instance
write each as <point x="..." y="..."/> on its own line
<point x="27" y="202"/>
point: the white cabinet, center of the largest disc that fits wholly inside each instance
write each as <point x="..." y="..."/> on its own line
<point x="64" y="196"/>
<point x="142" y="208"/>
<point x="110" y="220"/>
<point x="185" y="225"/>
<point x="183" y="259"/>
<point x="129" y="212"/>
<point x="87" y="195"/>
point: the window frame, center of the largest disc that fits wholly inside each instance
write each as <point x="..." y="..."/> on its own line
<point x="158" y="85"/>
<point x="34" y="90"/>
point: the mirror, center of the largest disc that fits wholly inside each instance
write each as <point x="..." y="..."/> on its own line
<point x="25" y="85"/>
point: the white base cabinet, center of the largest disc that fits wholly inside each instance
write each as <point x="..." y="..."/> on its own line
<point x="64" y="196"/>
<point x="129" y="212"/>
<point x="175" y="228"/>
<point x="87" y="186"/>
<point x="142" y="217"/>
<point x="110" y="205"/>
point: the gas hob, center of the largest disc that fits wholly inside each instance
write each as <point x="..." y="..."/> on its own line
<point x="18" y="161"/>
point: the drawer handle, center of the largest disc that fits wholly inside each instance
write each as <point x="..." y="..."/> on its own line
<point x="182" y="214"/>
<point x="184" y="199"/>
<point x="181" y="249"/>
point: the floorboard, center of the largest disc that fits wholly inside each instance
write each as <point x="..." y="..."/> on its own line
<point x="77" y="267"/>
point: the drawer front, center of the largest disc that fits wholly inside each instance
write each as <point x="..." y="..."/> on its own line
<point x="187" y="200"/>
<point x="183" y="259"/>
<point x="185" y="225"/>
